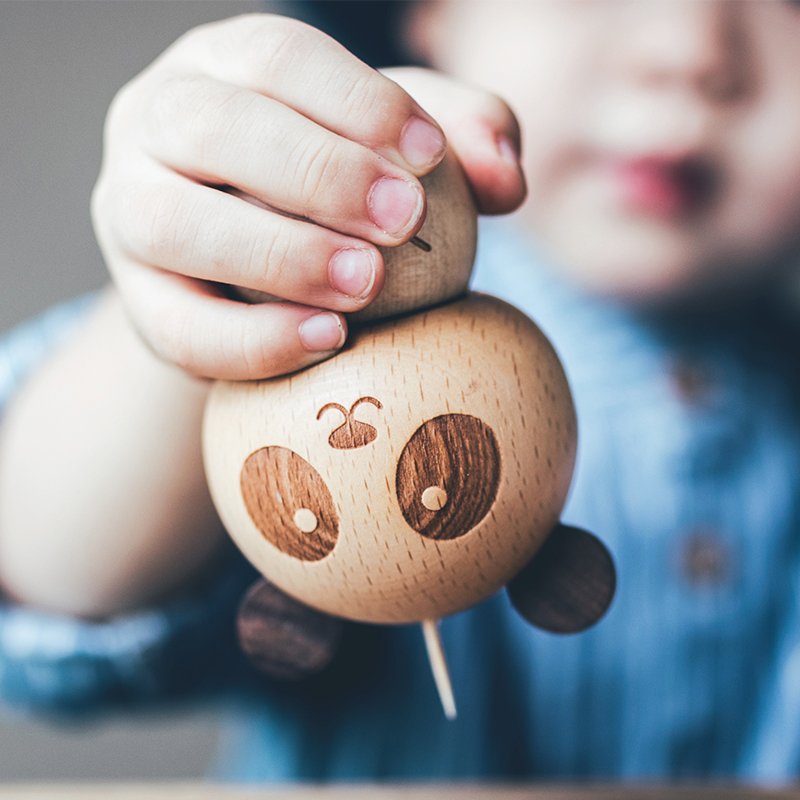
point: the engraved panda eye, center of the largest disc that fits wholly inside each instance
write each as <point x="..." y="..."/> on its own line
<point x="448" y="475"/>
<point x="289" y="503"/>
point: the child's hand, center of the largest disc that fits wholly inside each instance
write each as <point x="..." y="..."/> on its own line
<point x="268" y="108"/>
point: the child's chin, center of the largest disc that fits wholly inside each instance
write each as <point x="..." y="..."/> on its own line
<point x="634" y="267"/>
<point x="640" y="280"/>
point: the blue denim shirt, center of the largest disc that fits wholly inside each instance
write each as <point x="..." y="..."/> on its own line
<point x="59" y="665"/>
<point x="687" y="467"/>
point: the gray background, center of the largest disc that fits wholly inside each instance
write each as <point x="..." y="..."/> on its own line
<point x="60" y="65"/>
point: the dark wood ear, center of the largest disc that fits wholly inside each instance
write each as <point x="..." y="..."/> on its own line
<point x="568" y="585"/>
<point x="283" y="638"/>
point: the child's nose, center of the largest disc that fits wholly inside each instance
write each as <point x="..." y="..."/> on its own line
<point x="695" y="45"/>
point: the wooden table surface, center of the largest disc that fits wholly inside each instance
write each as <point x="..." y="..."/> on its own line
<point x="206" y="791"/>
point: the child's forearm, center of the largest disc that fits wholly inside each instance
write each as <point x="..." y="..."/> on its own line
<point x="103" y="501"/>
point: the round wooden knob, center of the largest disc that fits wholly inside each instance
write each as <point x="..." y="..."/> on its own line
<point x="569" y="584"/>
<point x="283" y="638"/>
<point x="407" y="478"/>
<point x="436" y="265"/>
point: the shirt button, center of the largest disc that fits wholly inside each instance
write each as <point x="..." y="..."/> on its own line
<point x="692" y="383"/>
<point x="705" y="559"/>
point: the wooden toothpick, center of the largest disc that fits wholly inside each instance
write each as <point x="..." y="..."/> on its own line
<point x="438" y="662"/>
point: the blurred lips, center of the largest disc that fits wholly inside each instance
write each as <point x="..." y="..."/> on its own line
<point x="664" y="187"/>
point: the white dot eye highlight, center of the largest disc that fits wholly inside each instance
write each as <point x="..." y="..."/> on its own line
<point x="306" y="520"/>
<point x="434" y="498"/>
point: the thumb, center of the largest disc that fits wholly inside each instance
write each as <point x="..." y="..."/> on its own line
<point x="481" y="128"/>
<point x="489" y="154"/>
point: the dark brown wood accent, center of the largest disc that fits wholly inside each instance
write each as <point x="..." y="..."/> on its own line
<point x="705" y="558"/>
<point x="421" y="243"/>
<point x="276" y="482"/>
<point x="458" y="453"/>
<point x="568" y="585"/>
<point x="351" y="433"/>
<point x="283" y="638"/>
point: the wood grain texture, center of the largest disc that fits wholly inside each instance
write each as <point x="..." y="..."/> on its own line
<point x="457" y="454"/>
<point x="276" y="485"/>
<point x="478" y="356"/>
<point x="209" y="791"/>
<point x="283" y="638"/>
<point x="568" y="585"/>
<point x="419" y="277"/>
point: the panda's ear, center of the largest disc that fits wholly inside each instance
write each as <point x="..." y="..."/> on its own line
<point x="281" y="637"/>
<point x="568" y="585"/>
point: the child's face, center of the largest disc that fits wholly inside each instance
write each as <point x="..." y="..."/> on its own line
<point x="661" y="139"/>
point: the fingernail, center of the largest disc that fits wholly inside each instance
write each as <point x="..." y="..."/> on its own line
<point x="352" y="272"/>
<point x="394" y="205"/>
<point x="507" y="150"/>
<point x="421" y="144"/>
<point x="322" y="331"/>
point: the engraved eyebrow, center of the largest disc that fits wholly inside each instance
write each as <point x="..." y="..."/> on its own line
<point x="374" y="400"/>
<point x="337" y="406"/>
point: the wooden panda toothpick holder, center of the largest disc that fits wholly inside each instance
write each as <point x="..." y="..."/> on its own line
<point x="417" y="472"/>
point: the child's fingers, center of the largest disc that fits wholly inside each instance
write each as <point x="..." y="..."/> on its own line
<point x="490" y="157"/>
<point x="224" y="134"/>
<point x="189" y="323"/>
<point x="481" y="128"/>
<point x="201" y="232"/>
<point x="312" y="73"/>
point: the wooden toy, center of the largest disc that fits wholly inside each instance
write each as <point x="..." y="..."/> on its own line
<point x="439" y="264"/>
<point x="420" y="276"/>
<point x="417" y="472"/>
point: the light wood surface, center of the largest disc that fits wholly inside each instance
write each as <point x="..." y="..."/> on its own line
<point x="468" y="397"/>
<point x="445" y="792"/>
<point x="418" y="278"/>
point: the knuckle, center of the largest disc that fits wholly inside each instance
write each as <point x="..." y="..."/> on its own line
<point x="245" y="351"/>
<point x="361" y="95"/>
<point x="251" y="355"/>
<point x="168" y="335"/>
<point x="163" y="222"/>
<point x="319" y="168"/>
<point x="197" y="117"/>
<point x="381" y="106"/>
<point x="201" y="350"/>
<point x="159" y="234"/>
<point x="224" y="124"/>
<point x="172" y="99"/>
<point x="272" y="259"/>
<point x="276" y="46"/>
<point x="222" y="121"/>
<point x="232" y="347"/>
<point x="224" y="37"/>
